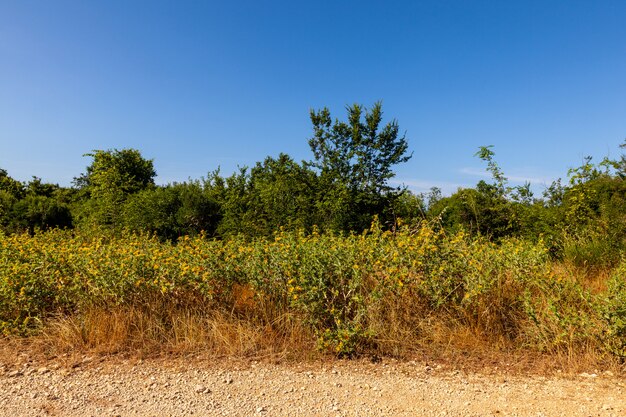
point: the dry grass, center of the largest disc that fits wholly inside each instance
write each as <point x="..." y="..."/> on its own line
<point x="254" y="328"/>
<point x="229" y="335"/>
<point x="135" y="331"/>
<point x="593" y="279"/>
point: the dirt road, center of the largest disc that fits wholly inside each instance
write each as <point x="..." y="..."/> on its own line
<point x="179" y="387"/>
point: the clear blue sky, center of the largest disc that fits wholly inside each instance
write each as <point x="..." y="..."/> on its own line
<point x="197" y="85"/>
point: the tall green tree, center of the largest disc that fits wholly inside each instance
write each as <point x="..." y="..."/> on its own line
<point x="112" y="176"/>
<point x="355" y="160"/>
<point x="358" y="152"/>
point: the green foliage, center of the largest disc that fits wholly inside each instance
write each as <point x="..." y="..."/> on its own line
<point x="346" y="289"/>
<point x="40" y="212"/>
<point x="408" y="208"/>
<point x="355" y="160"/>
<point x="37" y="205"/>
<point x="10" y="192"/>
<point x="500" y="181"/>
<point x="342" y="190"/>
<point x="614" y="311"/>
<point x="172" y="211"/>
<point x="498" y="210"/>
<point x="619" y="165"/>
<point x="553" y="195"/>
<point x="482" y="211"/>
<point x="329" y="242"/>
<point x="595" y="215"/>
<point x="10" y="186"/>
<point x="112" y="176"/>
<point x="358" y="152"/>
<point x="487" y="210"/>
<point x="124" y="170"/>
<point x="283" y="194"/>
<point x="276" y="193"/>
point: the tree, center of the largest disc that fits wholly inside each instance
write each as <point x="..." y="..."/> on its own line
<point x="277" y="192"/>
<point x="355" y="161"/>
<point x="10" y="186"/>
<point x="283" y="194"/>
<point x="112" y="176"/>
<point x="173" y="210"/>
<point x="38" y="212"/>
<point x="10" y="192"/>
<point x="481" y="210"/>
<point x="34" y="206"/>
<point x="123" y="169"/>
<point x="410" y="208"/>
<point x="358" y="153"/>
<point x="496" y="210"/>
<point x="500" y="181"/>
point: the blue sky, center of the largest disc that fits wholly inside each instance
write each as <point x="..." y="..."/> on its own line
<point x="197" y="85"/>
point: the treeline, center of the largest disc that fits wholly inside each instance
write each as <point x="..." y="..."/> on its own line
<point x="343" y="188"/>
<point x="340" y="189"/>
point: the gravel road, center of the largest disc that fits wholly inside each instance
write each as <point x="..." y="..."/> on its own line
<point x="181" y="387"/>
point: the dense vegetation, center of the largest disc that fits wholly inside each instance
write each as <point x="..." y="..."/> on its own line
<point x="327" y="244"/>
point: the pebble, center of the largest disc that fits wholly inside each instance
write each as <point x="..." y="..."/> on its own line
<point x="176" y="387"/>
<point x="201" y="389"/>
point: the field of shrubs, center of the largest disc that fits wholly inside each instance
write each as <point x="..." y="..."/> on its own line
<point x="377" y="292"/>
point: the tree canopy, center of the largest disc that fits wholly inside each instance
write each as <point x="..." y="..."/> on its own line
<point x="355" y="160"/>
<point x="111" y="177"/>
<point x="358" y="152"/>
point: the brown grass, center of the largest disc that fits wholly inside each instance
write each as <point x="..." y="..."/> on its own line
<point x="228" y="335"/>
<point x="180" y="332"/>
<point x="593" y="279"/>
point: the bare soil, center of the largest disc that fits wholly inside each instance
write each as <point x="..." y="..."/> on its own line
<point x="118" y="386"/>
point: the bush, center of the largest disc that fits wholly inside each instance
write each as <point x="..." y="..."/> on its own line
<point x="614" y="311"/>
<point x="357" y="293"/>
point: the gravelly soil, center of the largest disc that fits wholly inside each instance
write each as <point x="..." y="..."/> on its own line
<point x="179" y="387"/>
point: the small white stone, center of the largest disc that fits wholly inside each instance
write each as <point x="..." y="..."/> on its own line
<point x="201" y="389"/>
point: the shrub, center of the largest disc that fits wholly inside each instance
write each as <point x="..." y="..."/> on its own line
<point x="614" y="311"/>
<point x="356" y="293"/>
